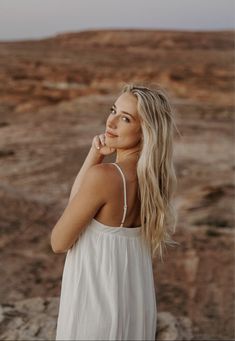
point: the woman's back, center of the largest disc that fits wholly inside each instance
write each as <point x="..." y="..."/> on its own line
<point x="112" y="212"/>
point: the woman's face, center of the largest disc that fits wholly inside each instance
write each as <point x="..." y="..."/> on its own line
<point x="123" y="121"/>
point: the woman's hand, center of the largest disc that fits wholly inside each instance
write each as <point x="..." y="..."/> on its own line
<point x="99" y="144"/>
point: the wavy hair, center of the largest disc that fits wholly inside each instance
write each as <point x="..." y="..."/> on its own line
<point x="155" y="168"/>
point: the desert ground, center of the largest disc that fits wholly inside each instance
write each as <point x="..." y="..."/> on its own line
<point x="55" y="95"/>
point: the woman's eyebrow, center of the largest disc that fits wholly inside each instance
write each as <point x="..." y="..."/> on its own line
<point x="124" y="112"/>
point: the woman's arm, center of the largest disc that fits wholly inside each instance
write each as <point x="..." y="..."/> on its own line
<point x="84" y="201"/>
<point x="92" y="195"/>
<point x="93" y="158"/>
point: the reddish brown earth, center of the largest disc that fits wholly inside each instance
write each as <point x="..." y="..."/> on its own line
<point x="54" y="97"/>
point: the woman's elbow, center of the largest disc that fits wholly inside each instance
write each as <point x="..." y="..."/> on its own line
<point x="56" y="248"/>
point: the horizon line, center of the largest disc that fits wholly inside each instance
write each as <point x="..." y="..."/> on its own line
<point x="56" y="34"/>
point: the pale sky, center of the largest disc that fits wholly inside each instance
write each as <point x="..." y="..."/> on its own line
<point x="34" y="19"/>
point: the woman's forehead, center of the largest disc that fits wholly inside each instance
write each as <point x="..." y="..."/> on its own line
<point x="127" y="102"/>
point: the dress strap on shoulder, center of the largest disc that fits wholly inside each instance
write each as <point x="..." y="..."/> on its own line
<point x="125" y="201"/>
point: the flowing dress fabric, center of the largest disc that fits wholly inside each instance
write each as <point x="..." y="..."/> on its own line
<point x="107" y="289"/>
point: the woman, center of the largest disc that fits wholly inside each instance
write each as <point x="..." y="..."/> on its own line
<point x="116" y="221"/>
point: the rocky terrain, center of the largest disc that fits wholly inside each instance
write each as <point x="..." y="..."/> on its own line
<point x="55" y="95"/>
<point x="35" y="319"/>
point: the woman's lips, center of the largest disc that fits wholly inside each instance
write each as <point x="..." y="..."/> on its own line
<point x="109" y="134"/>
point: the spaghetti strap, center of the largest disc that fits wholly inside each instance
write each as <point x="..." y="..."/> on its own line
<point x="125" y="201"/>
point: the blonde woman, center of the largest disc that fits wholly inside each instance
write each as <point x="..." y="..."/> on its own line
<point x="119" y="217"/>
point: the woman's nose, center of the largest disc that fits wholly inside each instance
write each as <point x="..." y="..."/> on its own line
<point x="112" y="123"/>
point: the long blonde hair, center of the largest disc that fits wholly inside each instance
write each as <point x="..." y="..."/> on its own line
<point x="155" y="167"/>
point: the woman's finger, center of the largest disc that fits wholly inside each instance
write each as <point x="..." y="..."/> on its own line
<point x="102" y="139"/>
<point x="97" y="142"/>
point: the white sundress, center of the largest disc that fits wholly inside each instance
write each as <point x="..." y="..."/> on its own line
<point x="107" y="289"/>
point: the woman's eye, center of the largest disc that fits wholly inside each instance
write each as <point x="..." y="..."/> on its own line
<point x="113" y="111"/>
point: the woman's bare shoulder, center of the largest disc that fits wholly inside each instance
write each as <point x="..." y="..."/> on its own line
<point x="106" y="172"/>
<point x="105" y="169"/>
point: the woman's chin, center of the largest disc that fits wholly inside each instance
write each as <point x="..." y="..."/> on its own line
<point x="110" y="144"/>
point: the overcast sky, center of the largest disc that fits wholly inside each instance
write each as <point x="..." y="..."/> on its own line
<point x="27" y="19"/>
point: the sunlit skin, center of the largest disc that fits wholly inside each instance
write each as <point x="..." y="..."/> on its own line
<point x="124" y="121"/>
